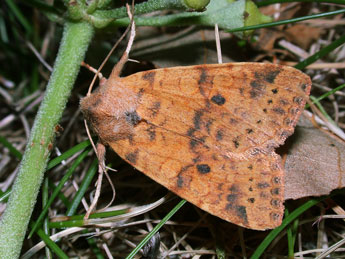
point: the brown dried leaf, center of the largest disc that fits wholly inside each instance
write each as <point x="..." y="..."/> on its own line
<point x="315" y="162"/>
<point x="303" y="35"/>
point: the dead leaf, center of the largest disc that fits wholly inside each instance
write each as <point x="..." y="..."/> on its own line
<point x="315" y="162"/>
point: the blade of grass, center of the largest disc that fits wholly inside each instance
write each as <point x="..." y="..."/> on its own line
<point x="155" y="229"/>
<point x="83" y="188"/>
<point x="78" y="220"/>
<point x="61" y="196"/>
<point x="322" y="110"/>
<point x="269" y="2"/>
<point x="321" y="53"/>
<point x="325" y="95"/>
<point x="59" y="187"/>
<point x="11" y="148"/>
<point x="291" y="235"/>
<point x="276" y="23"/>
<point x="274" y="233"/>
<point x="49" y="243"/>
<point x="68" y="154"/>
<point x="45" y="197"/>
<point x="21" y="18"/>
<point x="4" y="196"/>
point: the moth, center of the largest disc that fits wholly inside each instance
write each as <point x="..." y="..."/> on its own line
<point x="206" y="132"/>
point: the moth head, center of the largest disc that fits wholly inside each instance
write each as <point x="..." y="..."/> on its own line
<point x="111" y="112"/>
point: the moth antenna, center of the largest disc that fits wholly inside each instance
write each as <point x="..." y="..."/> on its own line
<point x="118" y="68"/>
<point x="219" y="50"/>
<point x="92" y="69"/>
<point x="110" y="53"/>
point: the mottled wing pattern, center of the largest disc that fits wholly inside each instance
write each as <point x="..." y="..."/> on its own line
<point x="208" y="134"/>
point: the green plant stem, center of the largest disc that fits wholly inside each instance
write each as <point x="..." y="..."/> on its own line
<point x="145" y="7"/>
<point x="14" y="222"/>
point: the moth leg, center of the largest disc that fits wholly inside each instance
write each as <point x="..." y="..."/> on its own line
<point x="101" y="169"/>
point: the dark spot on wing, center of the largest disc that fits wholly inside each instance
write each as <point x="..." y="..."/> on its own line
<point x="218" y="99"/>
<point x="242" y="213"/>
<point x="194" y="141"/>
<point x="132" y="118"/>
<point x="140" y="92"/>
<point x="179" y="181"/>
<point x="304" y="87"/>
<point x="253" y="94"/>
<point x="275" y="91"/>
<point x="283" y="102"/>
<point x="263" y="185"/>
<point x="151" y="132"/>
<point x="219" y="135"/>
<point x="258" y="89"/>
<point x="269" y="101"/>
<point x="249" y="131"/>
<point x="275" y="203"/>
<point x="155" y="108"/>
<point x="279" y="110"/>
<point x="270" y="76"/>
<point x="190" y="132"/>
<point x="275" y="216"/>
<point x="204" y="80"/>
<point x="294" y="111"/>
<point x="208" y="125"/>
<point x="275" y="191"/>
<point x="287" y="121"/>
<point x="241" y="91"/>
<point x="298" y="99"/>
<point x="197" y="119"/>
<point x="236" y="143"/>
<point x="203" y="168"/>
<point x="149" y="76"/>
<point x="183" y="181"/>
<point x="132" y="157"/>
<point x="231" y="198"/>
<point x="276" y="180"/>
<point x="255" y="84"/>
<point x="251" y="200"/>
<point x="234" y="188"/>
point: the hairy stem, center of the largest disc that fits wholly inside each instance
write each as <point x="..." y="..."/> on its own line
<point x="13" y="225"/>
